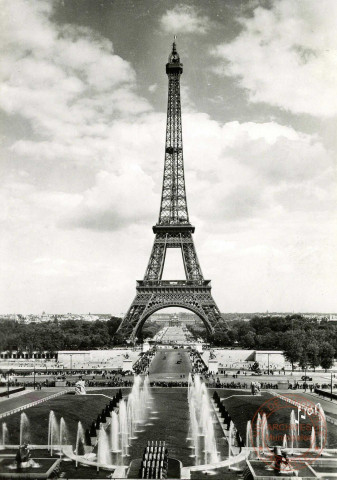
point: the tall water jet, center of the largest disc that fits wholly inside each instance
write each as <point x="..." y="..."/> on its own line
<point x="114" y="432"/>
<point x="103" y="448"/>
<point x="201" y="423"/>
<point x="135" y="396"/>
<point x="230" y="443"/>
<point x="249" y="435"/>
<point x="80" y="441"/>
<point x="284" y="442"/>
<point x="292" y="431"/>
<point x="313" y="439"/>
<point x="24" y="429"/>
<point x="4" y="430"/>
<point x="147" y="389"/>
<point x="123" y="428"/>
<point x="53" y="432"/>
<point x="264" y="433"/>
<point x="133" y="415"/>
<point x="258" y="433"/>
<point x="63" y="434"/>
<point x="322" y="431"/>
<point x="194" y="431"/>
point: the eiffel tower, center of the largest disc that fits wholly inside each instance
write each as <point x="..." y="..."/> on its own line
<point x="173" y="230"/>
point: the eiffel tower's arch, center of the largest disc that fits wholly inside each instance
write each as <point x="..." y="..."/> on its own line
<point x="156" y="308"/>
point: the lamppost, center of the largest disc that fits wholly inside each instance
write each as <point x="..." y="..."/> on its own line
<point x="8" y="384"/>
<point x="71" y="362"/>
<point x="331" y="388"/>
<point x="34" y="376"/>
<point x="268" y="362"/>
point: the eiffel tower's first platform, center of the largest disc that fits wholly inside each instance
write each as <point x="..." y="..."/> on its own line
<point x="173" y="230"/>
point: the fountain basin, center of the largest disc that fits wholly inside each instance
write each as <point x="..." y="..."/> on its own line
<point x="263" y="470"/>
<point x="43" y="469"/>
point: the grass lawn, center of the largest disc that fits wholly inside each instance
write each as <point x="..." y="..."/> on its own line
<point x="71" y="407"/>
<point x="243" y="407"/>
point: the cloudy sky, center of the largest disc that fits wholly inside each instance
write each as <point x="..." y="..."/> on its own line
<point x="83" y="112"/>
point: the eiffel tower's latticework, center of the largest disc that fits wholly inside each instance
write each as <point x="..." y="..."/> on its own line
<point x="173" y="230"/>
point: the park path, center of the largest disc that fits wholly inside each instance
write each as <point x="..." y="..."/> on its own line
<point x="29" y="397"/>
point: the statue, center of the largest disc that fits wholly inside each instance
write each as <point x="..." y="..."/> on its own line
<point x="22" y="457"/>
<point x="80" y="387"/>
<point x="255" y="388"/>
<point x="281" y="461"/>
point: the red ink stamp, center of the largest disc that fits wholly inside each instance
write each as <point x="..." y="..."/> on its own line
<point x="288" y="433"/>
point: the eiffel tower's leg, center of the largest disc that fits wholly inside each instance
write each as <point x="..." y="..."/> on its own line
<point x="127" y="329"/>
<point x="213" y="314"/>
<point x="191" y="262"/>
<point x="155" y="266"/>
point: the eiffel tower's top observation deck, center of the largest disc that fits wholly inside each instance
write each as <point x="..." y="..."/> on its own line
<point x="173" y="215"/>
<point x="174" y="66"/>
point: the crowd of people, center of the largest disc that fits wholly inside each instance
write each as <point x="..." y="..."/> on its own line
<point x="198" y="365"/>
<point x="116" y="382"/>
<point x="142" y="365"/>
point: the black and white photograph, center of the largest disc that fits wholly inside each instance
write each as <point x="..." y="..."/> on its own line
<point x="168" y="281"/>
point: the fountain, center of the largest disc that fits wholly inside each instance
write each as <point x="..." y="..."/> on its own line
<point x="103" y="448"/>
<point x="284" y="442"/>
<point x="230" y="443"/>
<point x="321" y="426"/>
<point x="63" y="435"/>
<point x="123" y="428"/>
<point x="264" y="433"/>
<point x="4" y="434"/>
<point x="292" y="432"/>
<point x="201" y="422"/>
<point x="258" y="433"/>
<point x="194" y="430"/>
<point x="114" y="432"/>
<point x="249" y="435"/>
<point x="53" y="432"/>
<point x="132" y="414"/>
<point x="313" y="439"/>
<point x="24" y="429"/>
<point x="80" y="441"/>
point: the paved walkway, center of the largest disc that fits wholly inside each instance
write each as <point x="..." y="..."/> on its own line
<point x="330" y="408"/>
<point x="29" y="397"/>
<point x="165" y="363"/>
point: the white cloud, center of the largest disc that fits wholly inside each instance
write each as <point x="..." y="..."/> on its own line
<point x="287" y="56"/>
<point x="184" y="19"/>
<point x="49" y="73"/>
<point x="115" y="201"/>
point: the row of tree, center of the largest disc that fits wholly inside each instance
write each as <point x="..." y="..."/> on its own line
<point x="305" y="341"/>
<point x="309" y="342"/>
<point x="65" y="335"/>
<point x="55" y="335"/>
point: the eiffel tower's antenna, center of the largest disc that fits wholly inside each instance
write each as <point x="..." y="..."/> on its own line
<point x="173" y="230"/>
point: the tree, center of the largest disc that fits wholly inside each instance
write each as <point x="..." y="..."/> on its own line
<point x="304" y="360"/>
<point x="313" y="354"/>
<point x="113" y="323"/>
<point x="326" y="354"/>
<point x="292" y="348"/>
<point x="248" y="340"/>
